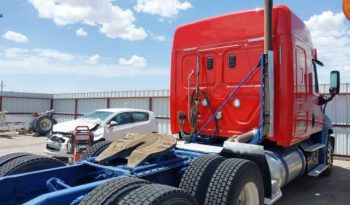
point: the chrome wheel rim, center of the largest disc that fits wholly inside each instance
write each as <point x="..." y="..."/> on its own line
<point x="249" y="195"/>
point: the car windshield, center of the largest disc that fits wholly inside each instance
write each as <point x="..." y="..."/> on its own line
<point x="98" y="115"/>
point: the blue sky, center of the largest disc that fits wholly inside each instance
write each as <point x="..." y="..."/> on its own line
<point x="59" y="46"/>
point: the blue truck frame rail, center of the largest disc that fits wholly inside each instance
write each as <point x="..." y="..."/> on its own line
<point x="64" y="185"/>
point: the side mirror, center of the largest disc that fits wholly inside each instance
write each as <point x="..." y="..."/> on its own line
<point x="334" y="83"/>
<point x="113" y="123"/>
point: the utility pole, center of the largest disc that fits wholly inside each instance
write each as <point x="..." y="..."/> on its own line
<point x="1" y="92"/>
<point x="2" y="87"/>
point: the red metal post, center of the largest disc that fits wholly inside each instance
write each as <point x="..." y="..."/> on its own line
<point x="75" y="108"/>
<point x="51" y="104"/>
<point x="108" y="102"/>
<point x="150" y="103"/>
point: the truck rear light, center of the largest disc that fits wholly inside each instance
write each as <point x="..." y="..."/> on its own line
<point x="204" y="103"/>
<point x="236" y="103"/>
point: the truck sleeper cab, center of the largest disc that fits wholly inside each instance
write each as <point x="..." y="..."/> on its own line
<point x="225" y="49"/>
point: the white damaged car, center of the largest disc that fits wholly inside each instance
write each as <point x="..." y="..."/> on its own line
<point x="105" y="124"/>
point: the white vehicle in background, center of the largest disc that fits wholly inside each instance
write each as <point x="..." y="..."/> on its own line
<point x="105" y="124"/>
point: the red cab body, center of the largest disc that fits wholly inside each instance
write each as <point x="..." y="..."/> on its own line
<point x="226" y="48"/>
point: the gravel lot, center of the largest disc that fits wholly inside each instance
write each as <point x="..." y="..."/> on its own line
<point x="304" y="190"/>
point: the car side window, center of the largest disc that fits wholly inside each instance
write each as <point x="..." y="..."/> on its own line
<point x="139" y="116"/>
<point x="122" y="118"/>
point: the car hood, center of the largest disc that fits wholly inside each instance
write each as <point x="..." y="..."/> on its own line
<point x="70" y="126"/>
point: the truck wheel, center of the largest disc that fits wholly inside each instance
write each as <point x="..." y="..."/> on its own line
<point x="95" y="149"/>
<point x="197" y="176"/>
<point x="6" y="158"/>
<point x="43" y="125"/>
<point x="329" y="158"/>
<point x="112" y="191"/>
<point x="28" y="164"/>
<point x="236" y="181"/>
<point x="157" y="194"/>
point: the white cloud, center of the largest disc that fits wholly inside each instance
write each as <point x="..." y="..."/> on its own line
<point x="51" y="62"/>
<point x="14" y="36"/>
<point x="53" y="54"/>
<point x="14" y="52"/>
<point x="94" y="59"/>
<point x="135" y="61"/>
<point x="162" y="8"/>
<point x="331" y="36"/>
<point x="112" y="21"/>
<point x="159" y="38"/>
<point x="81" y="32"/>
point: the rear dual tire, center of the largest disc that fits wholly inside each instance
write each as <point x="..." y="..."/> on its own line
<point x="19" y="163"/>
<point x="209" y="180"/>
<point x="236" y="181"/>
<point x="216" y="180"/>
<point x="135" y="191"/>
<point x="95" y="149"/>
<point x="197" y="176"/>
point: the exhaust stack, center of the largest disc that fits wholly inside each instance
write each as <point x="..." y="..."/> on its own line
<point x="269" y="71"/>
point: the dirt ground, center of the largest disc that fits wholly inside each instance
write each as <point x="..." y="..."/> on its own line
<point x="22" y="143"/>
<point x="334" y="189"/>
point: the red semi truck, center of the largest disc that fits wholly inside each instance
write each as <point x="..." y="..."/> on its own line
<point x="217" y="91"/>
<point x="245" y="99"/>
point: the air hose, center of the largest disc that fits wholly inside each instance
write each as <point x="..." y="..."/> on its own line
<point x="193" y="116"/>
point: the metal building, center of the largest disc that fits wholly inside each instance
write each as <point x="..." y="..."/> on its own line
<point x="68" y="106"/>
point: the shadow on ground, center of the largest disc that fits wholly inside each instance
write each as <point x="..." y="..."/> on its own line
<point x="6" y="136"/>
<point x="334" y="189"/>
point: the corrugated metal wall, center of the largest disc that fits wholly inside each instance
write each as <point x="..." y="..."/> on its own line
<point x="87" y="105"/>
<point x="25" y="105"/>
<point x="64" y="106"/>
<point x="72" y="105"/>
<point x="138" y="103"/>
<point x="20" y="106"/>
<point x="338" y="110"/>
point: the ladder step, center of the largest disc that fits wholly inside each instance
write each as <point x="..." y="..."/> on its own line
<point x="317" y="170"/>
<point x="313" y="147"/>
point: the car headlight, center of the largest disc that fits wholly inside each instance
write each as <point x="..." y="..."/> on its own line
<point x="69" y="146"/>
